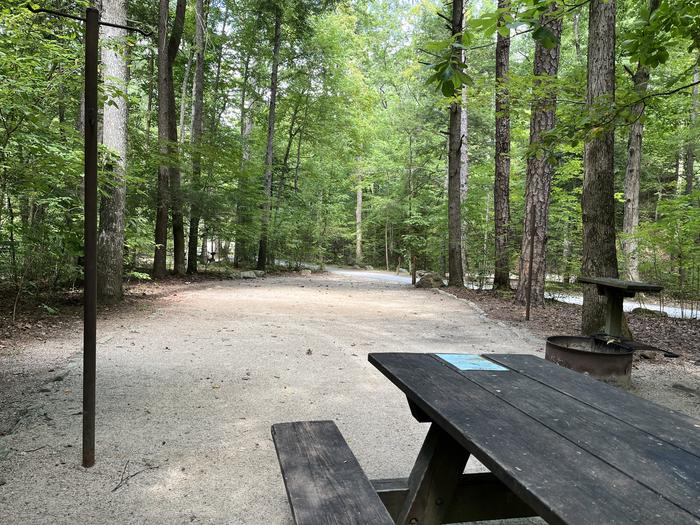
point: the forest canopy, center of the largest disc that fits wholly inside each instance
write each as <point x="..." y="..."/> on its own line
<point x="454" y="137"/>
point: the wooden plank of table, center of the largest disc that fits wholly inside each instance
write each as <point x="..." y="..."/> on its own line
<point x="325" y="483"/>
<point x="661" y="466"/>
<point x="631" y="286"/>
<point x="561" y="481"/>
<point x="661" y="422"/>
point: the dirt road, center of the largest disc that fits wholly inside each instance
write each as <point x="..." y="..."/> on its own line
<point x="188" y="388"/>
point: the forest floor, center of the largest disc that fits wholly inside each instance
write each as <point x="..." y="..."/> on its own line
<point x="681" y="336"/>
<point x="191" y="376"/>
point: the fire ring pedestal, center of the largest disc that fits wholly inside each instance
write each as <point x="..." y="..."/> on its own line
<point x="616" y="290"/>
<point x="607" y="356"/>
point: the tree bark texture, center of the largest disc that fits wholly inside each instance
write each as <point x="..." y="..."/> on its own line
<point x="358" y="222"/>
<point x="454" y="215"/>
<point x="183" y="94"/>
<point x="690" y="153"/>
<point x="110" y="238"/>
<point x="597" y="201"/>
<point x="501" y="185"/>
<point x="269" y="152"/>
<point x="196" y="137"/>
<point x="174" y="170"/>
<point x="634" y="170"/>
<point x="539" y="166"/>
<point x="167" y="129"/>
<point x="464" y="159"/>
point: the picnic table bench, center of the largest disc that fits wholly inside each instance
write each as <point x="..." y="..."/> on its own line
<point x="615" y="290"/>
<point x="557" y="443"/>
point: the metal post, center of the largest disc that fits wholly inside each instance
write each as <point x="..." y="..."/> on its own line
<point x="92" y="22"/>
<point x="532" y="258"/>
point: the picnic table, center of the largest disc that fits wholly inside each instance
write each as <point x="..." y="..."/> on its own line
<point x="616" y="290"/>
<point x="572" y="449"/>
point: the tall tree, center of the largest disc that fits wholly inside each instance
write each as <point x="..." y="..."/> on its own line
<point x="464" y="158"/>
<point x="168" y="173"/>
<point x="634" y="167"/>
<point x="539" y="163"/>
<point x="598" y="201"/>
<point x="690" y="153"/>
<point x="110" y="239"/>
<point x="501" y="185"/>
<point x="358" y="221"/>
<point x="196" y="137"/>
<point x="269" y="150"/>
<point x="454" y="215"/>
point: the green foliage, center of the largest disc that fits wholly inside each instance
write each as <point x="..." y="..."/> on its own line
<point x="364" y="91"/>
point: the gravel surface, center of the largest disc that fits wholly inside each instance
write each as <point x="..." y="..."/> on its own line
<point x="189" y="384"/>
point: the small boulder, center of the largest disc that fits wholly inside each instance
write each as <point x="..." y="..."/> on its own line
<point x="248" y="275"/>
<point x="431" y="280"/>
<point x="305" y="272"/>
<point x="369" y="267"/>
<point x="649" y="312"/>
<point x="259" y="273"/>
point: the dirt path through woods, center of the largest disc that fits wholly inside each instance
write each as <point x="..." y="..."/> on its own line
<point x="188" y="386"/>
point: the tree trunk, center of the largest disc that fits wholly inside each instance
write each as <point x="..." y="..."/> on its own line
<point x="269" y="153"/>
<point x="204" y="256"/>
<point x="167" y="50"/>
<point x="634" y="170"/>
<point x="358" y="222"/>
<point x="196" y="138"/>
<point x="244" y="219"/>
<point x="464" y="161"/>
<point x="539" y="167"/>
<point x="689" y="165"/>
<point x="110" y="239"/>
<point x="501" y="185"/>
<point x="183" y="94"/>
<point x="454" y="216"/>
<point x="597" y="201"/>
<point x="149" y="104"/>
<point x="386" y="244"/>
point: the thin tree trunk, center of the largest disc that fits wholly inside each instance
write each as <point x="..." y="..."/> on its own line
<point x="110" y="239"/>
<point x="183" y="94"/>
<point x="597" y="201"/>
<point x="539" y="166"/>
<point x="358" y="222"/>
<point x="167" y="50"/>
<point x="454" y="216"/>
<point x="386" y="244"/>
<point x="149" y="106"/>
<point x="689" y="165"/>
<point x="244" y="219"/>
<point x="501" y="185"/>
<point x="269" y="152"/>
<point x="464" y="161"/>
<point x="634" y="170"/>
<point x="203" y="257"/>
<point x="196" y="138"/>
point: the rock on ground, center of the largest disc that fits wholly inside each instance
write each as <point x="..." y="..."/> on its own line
<point x="430" y="280"/>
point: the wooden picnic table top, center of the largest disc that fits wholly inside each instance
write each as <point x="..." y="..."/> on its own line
<point x="620" y="284"/>
<point x="577" y="450"/>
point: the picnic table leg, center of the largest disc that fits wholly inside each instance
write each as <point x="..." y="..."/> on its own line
<point x="613" y="324"/>
<point x="433" y="480"/>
